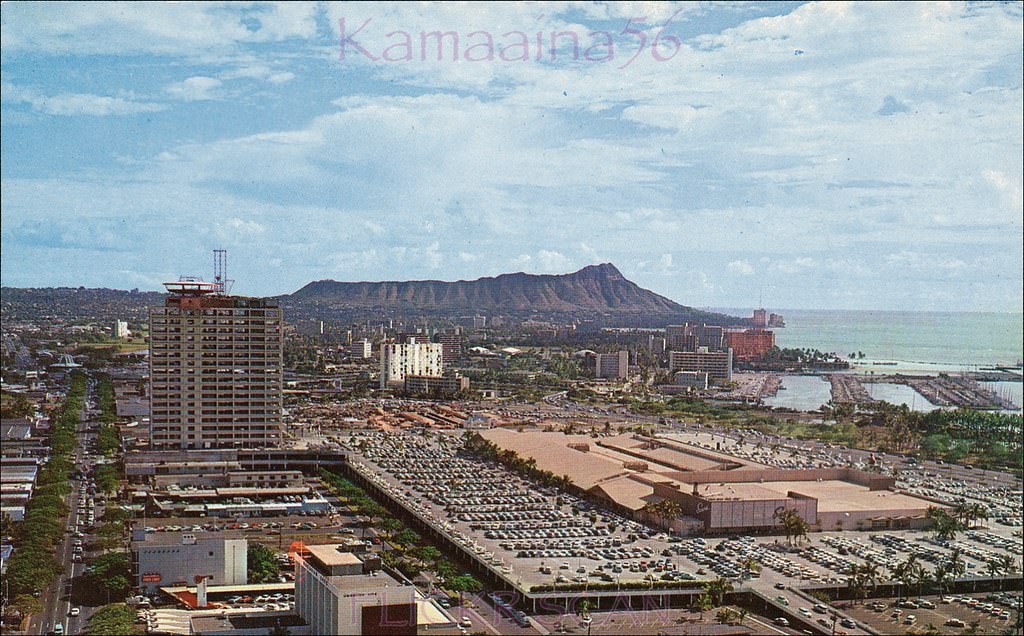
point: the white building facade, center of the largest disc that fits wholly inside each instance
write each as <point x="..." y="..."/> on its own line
<point x="400" y="360"/>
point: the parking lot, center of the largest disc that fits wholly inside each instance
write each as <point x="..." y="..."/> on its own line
<point x="950" y="614"/>
<point x="537" y="535"/>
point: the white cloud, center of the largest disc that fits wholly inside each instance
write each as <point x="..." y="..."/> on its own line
<point x="72" y="104"/>
<point x="236" y="228"/>
<point x="193" y="89"/>
<point x="741" y="267"/>
<point x="166" y="28"/>
<point x="258" y="72"/>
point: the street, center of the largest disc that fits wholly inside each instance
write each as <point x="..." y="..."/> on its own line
<point x="57" y="602"/>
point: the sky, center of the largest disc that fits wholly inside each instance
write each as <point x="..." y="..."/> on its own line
<point x="833" y="156"/>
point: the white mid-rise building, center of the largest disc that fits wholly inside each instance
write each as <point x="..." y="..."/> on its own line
<point x="400" y="360"/>
<point x="337" y="593"/>
<point x="360" y="349"/>
<point x="120" y="329"/>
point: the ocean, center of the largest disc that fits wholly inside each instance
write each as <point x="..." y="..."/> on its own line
<point x="899" y="341"/>
<point x="947" y="341"/>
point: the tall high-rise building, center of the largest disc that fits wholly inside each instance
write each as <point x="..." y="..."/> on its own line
<point x="709" y="336"/>
<point x="760" y="318"/>
<point x="451" y="341"/>
<point x="214" y="369"/>
<point x="750" y="344"/>
<point x="414" y="358"/>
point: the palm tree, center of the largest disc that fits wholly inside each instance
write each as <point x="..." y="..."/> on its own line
<point x="922" y="578"/>
<point x="870" y="571"/>
<point x="704" y="603"/>
<point x="905" y="572"/>
<point x="718" y="588"/>
<point x="993" y="569"/>
<point x="671" y="509"/>
<point x="783" y="516"/>
<point x="855" y="583"/>
<point x="956" y="563"/>
<point x="941" y="575"/>
<point x="979" y="512"/>
<point x="750" y="564"/>
<point x="962" y="511"/>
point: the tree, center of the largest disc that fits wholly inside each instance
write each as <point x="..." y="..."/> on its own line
<point x="726" y="616"/>
<point x="463" y="583"/>
<point x="262" y="564"/>
<point x="946" y="526"/>
<point x="750" y="565"/>
<point x="704" y="603"/>
<point x="113" y="620"/>
<point x="857" y="582"/>
<point x="906" y="572"/>
<point x="717" y="589"/>
<point x="792" y="523"/>
<point x="406" y="537"/>
<point x="427" y="553"/>
<point x="27" y="604"/>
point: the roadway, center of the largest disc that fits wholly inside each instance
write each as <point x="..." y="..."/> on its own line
<point x="57" y="603"/>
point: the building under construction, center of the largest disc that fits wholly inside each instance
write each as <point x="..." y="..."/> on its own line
<point x="215" y="366"/>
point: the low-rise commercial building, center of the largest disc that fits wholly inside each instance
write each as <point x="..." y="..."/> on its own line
<point x="428" y="385"/>
<point x="177" y="558"/>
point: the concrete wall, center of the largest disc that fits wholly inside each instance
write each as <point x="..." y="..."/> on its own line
<point x="224" y="561"/>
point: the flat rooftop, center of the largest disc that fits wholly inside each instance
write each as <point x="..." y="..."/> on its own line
<point x="256" y="622"/>
<point x="376" y="581"/>
<point x="174" y="538"/>
<point x="552" y="452"/>
<point x="833" y="495"/>
<point x="843" y="496"/>
<point x="331" y="555"/>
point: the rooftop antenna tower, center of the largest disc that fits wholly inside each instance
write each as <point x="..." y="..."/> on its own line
<point x="220" y="272"/>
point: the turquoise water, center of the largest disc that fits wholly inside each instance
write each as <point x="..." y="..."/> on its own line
<point x="917" y="340"/>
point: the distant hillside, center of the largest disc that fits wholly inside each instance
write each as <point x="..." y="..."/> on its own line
<point x="599" y="294"/>
<point x="76" y="303"/>
<point x="596" y="290"/>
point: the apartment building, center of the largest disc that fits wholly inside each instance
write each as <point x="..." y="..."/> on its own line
<point x="414" y="358"/>
<point x="215" y="369"/>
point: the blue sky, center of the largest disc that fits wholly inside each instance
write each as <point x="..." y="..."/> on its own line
<point x="858" y="156"/>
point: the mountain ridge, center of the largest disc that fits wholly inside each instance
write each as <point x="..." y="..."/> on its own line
<point x="593" y="290"/>
<point x="596" y="292"/>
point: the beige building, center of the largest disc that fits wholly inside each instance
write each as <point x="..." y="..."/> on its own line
<point x="400" y="360"/>
<point x="215" y="370"/>
<point x="426" y="385"/>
